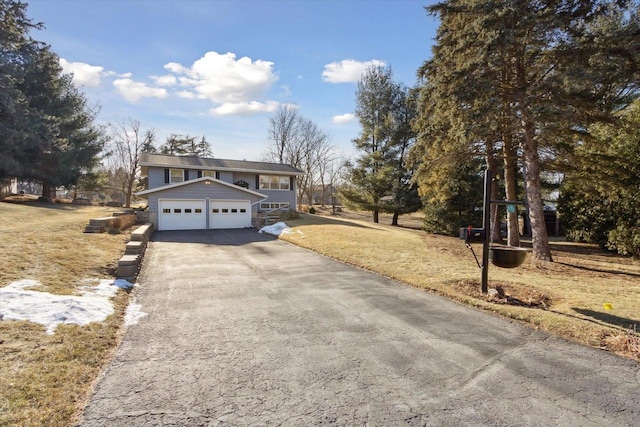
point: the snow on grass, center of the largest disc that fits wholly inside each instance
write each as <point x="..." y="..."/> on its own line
<point x="277" y="229"/>
<point x="18" y="302"/>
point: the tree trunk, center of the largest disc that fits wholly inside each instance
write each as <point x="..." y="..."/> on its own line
<point x="375" y="216"/>
<point x="539" y="237"/>
<point x="48" y="191"/>
<point x="510" y="184"/>
<point x="394" y="220"/>
<point x="496" y="235"/>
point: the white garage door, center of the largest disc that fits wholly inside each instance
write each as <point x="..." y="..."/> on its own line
<point x="182" y="214"/>
<point x="229" y="214"/>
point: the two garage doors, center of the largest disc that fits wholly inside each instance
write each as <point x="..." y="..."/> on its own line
<point x="199" y="214"/>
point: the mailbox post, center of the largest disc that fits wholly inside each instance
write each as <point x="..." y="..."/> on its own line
<point x="483" y="235"/>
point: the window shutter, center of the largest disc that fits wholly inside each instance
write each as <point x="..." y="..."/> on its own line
<point x="291" y="179"/>
<point x="217" y="175"/>
<point x="166" y="176"/>
<point x="257" y="182"/>
<point x="199" y="174"/>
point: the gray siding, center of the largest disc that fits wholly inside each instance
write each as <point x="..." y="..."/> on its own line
<point x="227" y="177"/>
<point x="156" y="178"/>
<point x="199" y="191"/>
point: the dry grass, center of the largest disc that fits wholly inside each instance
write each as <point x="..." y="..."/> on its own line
<point x="566" y="297"/>
<point x="46" y="378"/>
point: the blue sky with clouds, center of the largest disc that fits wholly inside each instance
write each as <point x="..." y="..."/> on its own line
<point x="220" y="68"/>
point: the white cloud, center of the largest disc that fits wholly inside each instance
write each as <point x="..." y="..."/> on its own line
<point x="167" y="80"/>
<point x="343" y="118"/>
<point x="83" y="74"/>
<point x="238" y="85"/>
<point x="347" y="70"/>
<point x="134" y="91"/>
<point x="244" y="108"/>
<point x="174" y="67"/>
<point x="186" y="94"/>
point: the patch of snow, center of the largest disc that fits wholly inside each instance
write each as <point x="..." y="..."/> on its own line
<point x="92" y="305"/>
<point x="133" y="314"/>
<point x="276" y="229"/>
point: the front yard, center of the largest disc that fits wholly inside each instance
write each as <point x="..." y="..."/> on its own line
<point x="587" y="295"/>
<point x="45" y="378"/>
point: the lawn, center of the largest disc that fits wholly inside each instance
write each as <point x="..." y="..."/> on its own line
<point x="45" y="379"/>
<point x="566" y="298"/>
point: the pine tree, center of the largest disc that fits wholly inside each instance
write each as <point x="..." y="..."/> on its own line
<point x="528" y="72"/>
<point x="380" y="179"/>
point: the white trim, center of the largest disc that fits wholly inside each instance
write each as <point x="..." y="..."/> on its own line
<point x="171" y="175"/>
<point x="194" y="181"/>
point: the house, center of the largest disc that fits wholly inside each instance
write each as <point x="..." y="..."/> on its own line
<point x="327" y="195"/>
<point x="191" y="193"/>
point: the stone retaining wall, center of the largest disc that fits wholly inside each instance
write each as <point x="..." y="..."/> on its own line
<point x="129" y="264"/>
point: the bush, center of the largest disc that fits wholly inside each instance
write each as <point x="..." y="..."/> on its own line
<point x="625" y="240"/>
<point x="312" y="210"/>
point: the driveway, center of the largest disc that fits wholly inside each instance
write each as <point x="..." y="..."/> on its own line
<point x="243" y="329"/>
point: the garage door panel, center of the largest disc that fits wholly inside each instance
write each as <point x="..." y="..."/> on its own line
<point x="229" y="214"/>
<point x="182" y="214"/>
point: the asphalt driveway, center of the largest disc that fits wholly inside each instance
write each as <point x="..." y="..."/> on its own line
<point x="244" y="329"/>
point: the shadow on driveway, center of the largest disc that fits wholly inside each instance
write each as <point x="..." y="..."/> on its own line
<point x="229" y="237"/>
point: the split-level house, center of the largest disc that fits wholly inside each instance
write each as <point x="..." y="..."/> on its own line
<point x="192" y="193"/>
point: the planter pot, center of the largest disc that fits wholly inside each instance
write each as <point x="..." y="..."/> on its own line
<point x="507" y="256"/>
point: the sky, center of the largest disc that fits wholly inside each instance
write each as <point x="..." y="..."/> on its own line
<point x="220" y="69"/>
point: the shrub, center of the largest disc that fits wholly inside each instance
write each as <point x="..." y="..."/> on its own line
<point x="312" y="210"/>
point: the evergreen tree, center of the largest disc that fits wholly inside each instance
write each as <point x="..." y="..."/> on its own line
<point x="46" y="127"/>
<point x="185" y="145"/>
<point x="380" y="179"/>
<point x="527" y="72"/>
<point x="599" y="201"/>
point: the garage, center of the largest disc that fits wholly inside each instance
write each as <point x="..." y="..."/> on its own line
<point x="229" y="214"/>
<point x="177" y="214"/>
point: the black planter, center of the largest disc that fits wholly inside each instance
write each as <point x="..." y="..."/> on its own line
<point x="507" y="256"/>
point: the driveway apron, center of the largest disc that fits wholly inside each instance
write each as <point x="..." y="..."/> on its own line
<point x="244" y="329"/>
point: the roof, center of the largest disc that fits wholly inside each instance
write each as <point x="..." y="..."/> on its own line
<point x="192" y="162"/>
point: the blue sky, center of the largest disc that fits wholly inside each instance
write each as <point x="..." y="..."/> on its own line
<point x="220" y="68"/>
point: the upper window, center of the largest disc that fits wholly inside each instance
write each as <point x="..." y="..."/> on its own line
<point x="177" y="175"/>
<point x="212" y="174"/>
<point x="274" y="182"/>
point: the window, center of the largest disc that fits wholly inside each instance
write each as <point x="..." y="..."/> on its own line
<point x="165" y="210"/>
<point x="187" y="210"/>
<point x="268" y="206"/>
<point x="243" y="211"/>
<point x="224" y="210"/>
<point x="234" y="210"/>
<point x="177" y="211"/>
<point x="198" y="210"/>
<point x="274" y="182"/>
<point x="176" y="175"/>
<point x="211" y="174"/>
<point x="215" y="210"/>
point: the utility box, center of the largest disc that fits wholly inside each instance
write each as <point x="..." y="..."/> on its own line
<point x="472" y="235"/>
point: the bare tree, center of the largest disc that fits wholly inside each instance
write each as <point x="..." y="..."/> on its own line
<point x="283" y="131"/>
<point x="127" y="141"/>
